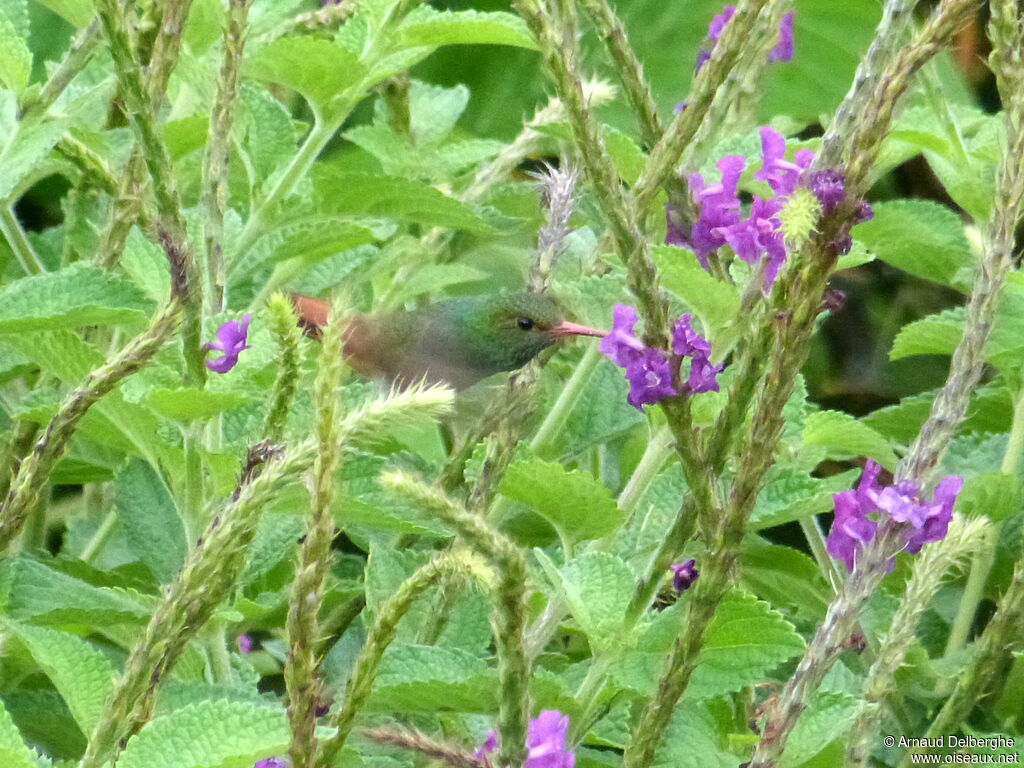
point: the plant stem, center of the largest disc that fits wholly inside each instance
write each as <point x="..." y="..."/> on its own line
<point x="659" y="448"/>
<point x="81" y="50"/>
<point x="99" y="539"/>
<point x="19" y="243"/>
<point x="555" y="419"/>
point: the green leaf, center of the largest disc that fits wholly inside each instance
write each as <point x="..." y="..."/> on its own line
<point x="270" y="133"/>
<point x="572" y="501"/>
<point x="71" y="298"/>
<point x="146" y="264"/>
<point x="342" y="192"/>
<point x="936" y="334"/>
<point x="15" y="56"/>
<point x="991" y="410"/>
<point x="427" y="26"/>
<point x="147" y="515"/>
<point x="714" y="302"/>
<point x="82" y="675"/>
<point x="746" y="640"/>
<point x="598" y="587"/>
<point x="921" y="237"/>
<point x="189" y="403"/>
<point x="22" y="154"/>
<point x="828" y="716"/>
<point x="78" y="12"/>
<point x="786" y="578"/>
<point x="318" y="69"/>
<point x="309" y="239"/>
<point x="846" y="437"/>
<point x="428" y="678"/>
<point x="223" y="733"/>
<point x="792" y="494"/>
<point x="43" y="595"/>
<point x="13" y="752"/>
<point x="693" y="740"/>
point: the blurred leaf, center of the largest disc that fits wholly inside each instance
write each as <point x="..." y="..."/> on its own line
<point x="792" y="494"/>
<point x="219" y="733"/>
<point x="15" y="56"/>
<point x="146" y="264"/>
<point x="190" y="403"/>
<point x="82" y="674"/>
<point x="995" y="495"/>
<point x="427" y="678"/>
<point x="149" y="518"/>
<point x="318" y="69"/>
<point x="75" y="296"/>
<point x="572" y="501"/>
<point x="786" y="578"/>
<point x="341" y="192"/>
<point x="920" y="237"/>
<point x="78" y="12"/>
<point x="13" y="752"/>
<point x="428" y="26"/>
<point x="433" y="109"/>
<point x="990" y="410"/>
<point x="693" y="740"/>
<point x="827" y="718"/>
<point x="845" y="437"/>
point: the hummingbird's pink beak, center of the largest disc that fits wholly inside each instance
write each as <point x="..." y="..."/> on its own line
<point x="565" y="328"/>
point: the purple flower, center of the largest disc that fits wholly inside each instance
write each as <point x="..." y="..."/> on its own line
<point x="231" y="338"/>
<point x="545" y="742"/>
<point x="829" y="187"/>
<point x="925" y="521"/>
<point x="784" y="50"/>
<point x="781" y="52"/>
<point x="781" y="174"/>
<point x="271" y="762"/>
<point x="684" y="574"/>
<point x="650" y="379"/>
<point x="686" y="342"/>
<point x="719" y="206"/>
<point x="622" y="346"/>
<point x="244" y="644"/>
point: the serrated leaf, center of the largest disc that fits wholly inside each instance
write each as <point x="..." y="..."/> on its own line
<point x="270" y="133"/>
<point x="714" y="302"/>
<point x="921" y="237"/>
<point x="692" y="740"/>
<point x="342" y="192"/>
<point x="146" y="264"/>
<point x="319" y="69"/>
<point x="746" y="640"/>
<point x="71" y="298"/>
<point x="827" y="717"/>
<point x="82" y="675"/>
<point x="572" y="501"/>
<point x="846" y="437"/>
<point x="427" y="678"/>
<point x="785" y="578"/>
<point x="991" y="410"/>
<point x="43" y="595"/>
<point x="13" y="752"/>
<point x="598" y="587"/>
<point x="427" y="26"/>
<point x="15" y="56"/>
<point x="211" y="733"/>
<point x="792" y="494"/>
<point x="310" y="239"/>
<point x="22" y="153"/>
<point x="149" y="519"/>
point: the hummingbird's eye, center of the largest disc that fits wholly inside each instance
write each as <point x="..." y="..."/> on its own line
<point x="525" y="323"/>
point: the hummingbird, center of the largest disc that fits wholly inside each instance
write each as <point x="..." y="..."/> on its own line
<point x="456" y="341"/>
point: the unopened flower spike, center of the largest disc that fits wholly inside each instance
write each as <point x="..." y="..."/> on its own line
<point x="684" y="574"/>
<point x="231" y="340"/>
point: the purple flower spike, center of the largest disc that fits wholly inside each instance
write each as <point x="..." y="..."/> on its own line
<point x="784" y="50"/>
<point x="545" y="741"/>
<point x="650" y="379"/>
<point x="719" y="207"/>
<point x="271" y="762"/>
<point x="231" y="338"/>
<point x="684" y="574"/>
<point x="686" y="342"/>
<point x="489" y="745"/>
<point x="924" y="521"/>
<point x="703" y="376"/>
<point x="829" y="187"/>
<point x="244" y="644"/>
<point x="780" y="174"/>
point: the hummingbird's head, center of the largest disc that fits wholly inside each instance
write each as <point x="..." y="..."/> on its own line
<point x="516" y="327"/>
